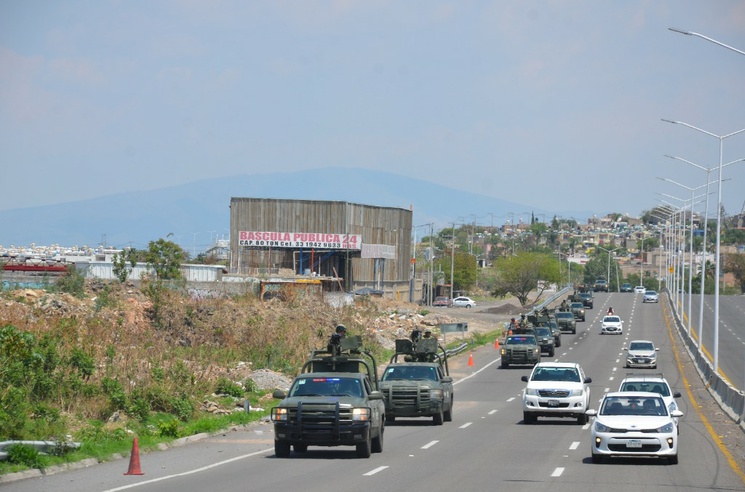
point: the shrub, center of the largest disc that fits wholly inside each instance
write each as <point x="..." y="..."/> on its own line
<point x="23" y="454"/>
<point x="227" y="387"/>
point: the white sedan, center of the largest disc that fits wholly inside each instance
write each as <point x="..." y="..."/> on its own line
<point x="651" y="296"/>
<point x="634" y="424"/>
<point x="611" y="325"/>
<point x="639" y="289"/>
<point x="465" y="302"/>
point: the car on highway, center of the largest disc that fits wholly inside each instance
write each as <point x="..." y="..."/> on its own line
<point x="556" y="389"/>
<point x="641" y="353"/>
<point x="600" y="285"/>
<point x="651" y="296"/>
<point x="442" y="301"/>
<point x="639" y="289"/>
<point x="611" y="325"/>
<point x="566" y="321"/>
<point x="587" y="299"/>
<point x="578" y="310"/>
<point x="626" y="288"/>
<point x="634" y="424"/>
<point x="463" y="301"/>
<point x="654" y="383"/>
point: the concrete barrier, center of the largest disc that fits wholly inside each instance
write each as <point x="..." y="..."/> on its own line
<point x="729" y="398"/>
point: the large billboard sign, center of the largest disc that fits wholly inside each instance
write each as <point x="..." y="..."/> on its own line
<point x="315" y="240"/>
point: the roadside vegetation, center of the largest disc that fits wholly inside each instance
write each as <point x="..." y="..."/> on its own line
<point x="99" y="363"/>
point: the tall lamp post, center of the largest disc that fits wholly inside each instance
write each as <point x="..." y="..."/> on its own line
<point x="608" y="274"/>
<point x="689" y="33"/>
<point x="706" y="230"/>
<point x="690" y="254"/>
<point x="717" y="254"/>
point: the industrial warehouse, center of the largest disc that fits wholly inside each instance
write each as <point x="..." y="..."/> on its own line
<point x="343" y="246"/>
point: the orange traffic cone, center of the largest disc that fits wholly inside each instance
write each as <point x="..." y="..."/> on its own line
<point x="134" y="460"/>
<point x="496" y="343"/>
<point x="470" y="360"/>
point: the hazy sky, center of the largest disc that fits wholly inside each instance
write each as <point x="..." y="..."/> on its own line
<point x="555" y="104"/>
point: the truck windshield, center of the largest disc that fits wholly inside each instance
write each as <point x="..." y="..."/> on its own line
<point x="410" y="372"/>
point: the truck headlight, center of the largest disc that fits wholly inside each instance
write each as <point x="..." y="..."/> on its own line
<point x="531" y="391"/>
<point x="361" y="414"/>
<point x="577" y="392"/>
<point x="435" y="394"/>
<point x="280" y="414"/>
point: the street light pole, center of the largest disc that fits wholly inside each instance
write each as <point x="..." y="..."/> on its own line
<point x="717" y="254"/>
<point x="705" y="242"/>
<point x="690" y="254"/>
<point x="689" y="33"/>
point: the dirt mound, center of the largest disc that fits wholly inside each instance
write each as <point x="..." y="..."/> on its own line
<point x="505" y="309"/>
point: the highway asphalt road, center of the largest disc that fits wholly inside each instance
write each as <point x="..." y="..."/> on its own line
<point x="486" y="446"/>
<point x="731" y="354"/>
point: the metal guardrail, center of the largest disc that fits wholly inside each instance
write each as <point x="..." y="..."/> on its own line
<point x="44" y="447"/>
<point x="457" y="350"/>
<point x="729" y="398"/>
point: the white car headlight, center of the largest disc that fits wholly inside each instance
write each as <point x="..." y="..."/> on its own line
<point x="435" y="394"/>
<point x="601" y="428"/>
<point x="667" y="428"/>
<point x="531" y="391"/>
<point x="577" y="392"/>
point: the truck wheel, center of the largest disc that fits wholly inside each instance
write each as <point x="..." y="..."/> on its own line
<point x="582" y="419"/>
<point x="364" y="449"/>
<point x="449" y="414"/>
<point x="390" y="418"/>
<point x="505" y="365"/>
<point x="574" y="331"/>
<point x="281" y="449"/>
<point x="377" y="442"/>
<point x="673" y="460"/>
<point x="438" y="418"/>
<point x="551" y="353"/>
<point x="597" y="459"/>
<point x="528" y="418"/>
<point x="300" y="448"/>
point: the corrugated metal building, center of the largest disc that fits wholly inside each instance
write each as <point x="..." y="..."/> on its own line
<point x="358" y="245"/>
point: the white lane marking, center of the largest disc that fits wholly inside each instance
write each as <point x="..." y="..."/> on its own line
<point x="606" y="390"/>
<point x="476" y="372"/>
<point x="574" y="445"/>
<point x="190" y="472"/>
<point x="492" y="412"/>
<point x="429" y="444"/>
<point x="558" y="472"/>
<point x="586" y="426"/>
<point x="373" y="472"/>
<point x="510" y="399"/>
<point x="614" y="369"/>
<point x="465" y="425"/>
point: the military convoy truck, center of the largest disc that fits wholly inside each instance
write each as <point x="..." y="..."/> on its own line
<point x="566" y="321"/>
<point x="334" y="401"/>
<point x="546" y="318"/>
<point x="520" y="349"/>
<point x="417" y="382"/>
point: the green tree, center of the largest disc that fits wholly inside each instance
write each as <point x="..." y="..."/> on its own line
<point x="597" y="267"/>
<point x="120" y="261"/>
<point x="734" y="263"/>
<point x="523" y="273"/>
<point x="165" y="257"/>
<point x="465" y="271"/>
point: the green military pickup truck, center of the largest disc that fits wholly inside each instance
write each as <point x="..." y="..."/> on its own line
<point x="335" y="401"/>
<point x="520" y="349"/>
<point x="417" y="382"/>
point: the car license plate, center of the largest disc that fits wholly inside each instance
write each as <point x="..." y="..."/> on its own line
<point x="553" y="403"/>
<point x="633" y="443"/>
